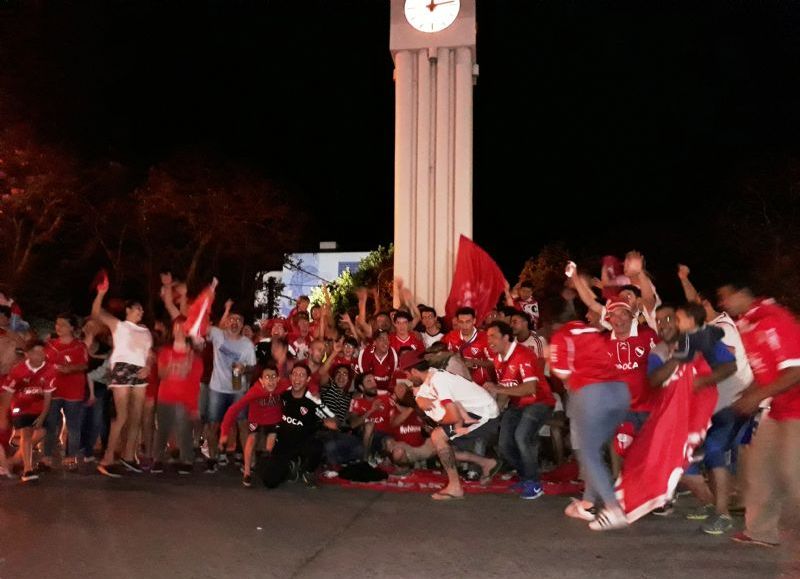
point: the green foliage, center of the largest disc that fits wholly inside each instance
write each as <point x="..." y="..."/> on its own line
<point x="375" y="270"/>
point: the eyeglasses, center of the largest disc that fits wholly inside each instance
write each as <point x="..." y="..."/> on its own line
<point x="664" y="320"/>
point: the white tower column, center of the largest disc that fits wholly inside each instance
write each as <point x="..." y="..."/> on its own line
<point x="434" y="77"/>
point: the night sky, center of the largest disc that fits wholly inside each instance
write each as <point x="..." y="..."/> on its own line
<point x="604" y="125"/>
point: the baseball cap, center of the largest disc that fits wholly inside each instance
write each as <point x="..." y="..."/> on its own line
<point x="617" y="304"/>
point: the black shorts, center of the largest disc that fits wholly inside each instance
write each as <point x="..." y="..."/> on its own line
<point x="23" y="420"/>
<point x="486" y="432"/>
<point x="262" y="428"/>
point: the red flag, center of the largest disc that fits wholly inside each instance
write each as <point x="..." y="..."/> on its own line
<point x="100" y="281"/>
<point x="477" y="281"/>
<point x="663" y="448"/>
<point x="199" y="315"/>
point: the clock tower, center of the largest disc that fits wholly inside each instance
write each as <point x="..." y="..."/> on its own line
<point x="433" y="46"/>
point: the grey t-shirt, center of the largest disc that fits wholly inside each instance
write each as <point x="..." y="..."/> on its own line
<point x="227" y="352"/>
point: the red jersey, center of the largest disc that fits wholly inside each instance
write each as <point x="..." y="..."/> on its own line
<point x="29" y="386"/>
<point x="299" y="345"/>
<point x="520" y="364"/>
<point x="475" y="348"/>
<point x="771" y="338"/>
<point x="68" y="386"/>
<point x="410" y="431"/>
<point x="530" y="307"/>
<point x="382" y="418"/>
<point x="413" y="341"/>
<point x="629" y="357"/>
<point x="265" y="407"/>
<point x="182" y="373"/>
<point x="580" y="353"/>
<point x="382" y="367"/>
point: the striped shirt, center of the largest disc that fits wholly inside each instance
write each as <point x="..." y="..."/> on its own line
<point x="337" y="401"/>
<point x="536" y="343"/>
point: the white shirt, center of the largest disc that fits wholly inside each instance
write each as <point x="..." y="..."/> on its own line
<point x="441" y="387"/>
<point x="731" y="388"/>
<point x="132" y="344"/>
<point x="429" y="340"/>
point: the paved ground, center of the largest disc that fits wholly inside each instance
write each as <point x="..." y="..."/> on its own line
<point x="208" y="526"/>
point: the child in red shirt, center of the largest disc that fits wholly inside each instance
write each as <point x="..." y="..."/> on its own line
<point x="28" y="388"/>
<point x="264" y="414"/>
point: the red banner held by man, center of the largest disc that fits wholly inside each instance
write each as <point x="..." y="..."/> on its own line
<point x="477" y="281"/>
<point x="663" y="448"/>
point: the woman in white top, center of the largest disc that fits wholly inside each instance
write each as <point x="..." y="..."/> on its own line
<point x="129" y="372"/>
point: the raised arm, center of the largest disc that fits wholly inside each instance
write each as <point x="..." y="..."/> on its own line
<point x="325" y="369"/>
<point x="634" y="269"/>
<point x="584" y="291"/>
<point x="407" y="299"/>
<point x="688" y="288"/>
<point x="97" y="308"/>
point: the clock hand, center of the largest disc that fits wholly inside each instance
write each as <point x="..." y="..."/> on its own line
<point x="432" y="6"/>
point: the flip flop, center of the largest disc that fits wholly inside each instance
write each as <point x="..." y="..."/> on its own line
<point x="440" y="496"/>
<point x="486" y="480"/>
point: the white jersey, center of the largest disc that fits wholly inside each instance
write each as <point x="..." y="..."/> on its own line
<point x="132" y="344"/>
<point x="536" y="343"/>
<point x="442" y="387"/>
<point x="731" y="388"/>
<point x="429" y="340"/>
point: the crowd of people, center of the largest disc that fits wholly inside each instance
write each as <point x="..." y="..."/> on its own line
<point x="474" y="394"/>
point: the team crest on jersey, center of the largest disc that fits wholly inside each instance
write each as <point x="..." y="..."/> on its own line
<point x="639" y="351"/>
<point x="303" y="411"/>
<point x="475" y="350"/>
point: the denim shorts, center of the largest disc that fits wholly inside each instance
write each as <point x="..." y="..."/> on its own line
<point x="219" y="402"/>
<point x="721" y="438"/>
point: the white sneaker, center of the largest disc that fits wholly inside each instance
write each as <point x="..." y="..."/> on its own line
<point x="609" y="520"/>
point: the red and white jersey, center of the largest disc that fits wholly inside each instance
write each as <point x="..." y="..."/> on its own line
<point x="476" y="347"/>
<point x="430" y="339"/>
<point x="382" y="418"/>
<point x="299" y="345"/>
<point x="520" y="364"/>
<point x="410" y="431"/>
<point x="771" y="337"/>
<point x="579" y="354"/>
<point x="536" y="343"/>
<point x="530" y="307"/>
<point x="412" y="341"/>
<point x="342" y="360"/>
<point x="382" y="367"/>
<point x="629" y="357"/>
<point x="68" y="386"/>
<point x="28" y="386"/>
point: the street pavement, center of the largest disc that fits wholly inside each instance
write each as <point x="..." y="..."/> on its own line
<point x="209" y="526"/>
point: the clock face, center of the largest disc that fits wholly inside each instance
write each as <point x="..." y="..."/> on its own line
<point x="431" y="15"/>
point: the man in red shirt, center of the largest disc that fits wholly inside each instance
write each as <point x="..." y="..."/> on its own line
<point x="471" y="344"/>
<point x="28" y="388"/>
<point x="525" y="302"/>
<point x="380" y="360"/>
<point x="372" y="411"/>
<point x="771" y="338"/>
<point x="70" y="359"/>
<point x="403" y="336"/>
<point x="597" y="405"/>
<point x="629" y="347"/>
<point x="530" y="405"/>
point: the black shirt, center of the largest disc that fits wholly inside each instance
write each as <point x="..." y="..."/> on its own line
<point x="302" y="417"/>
